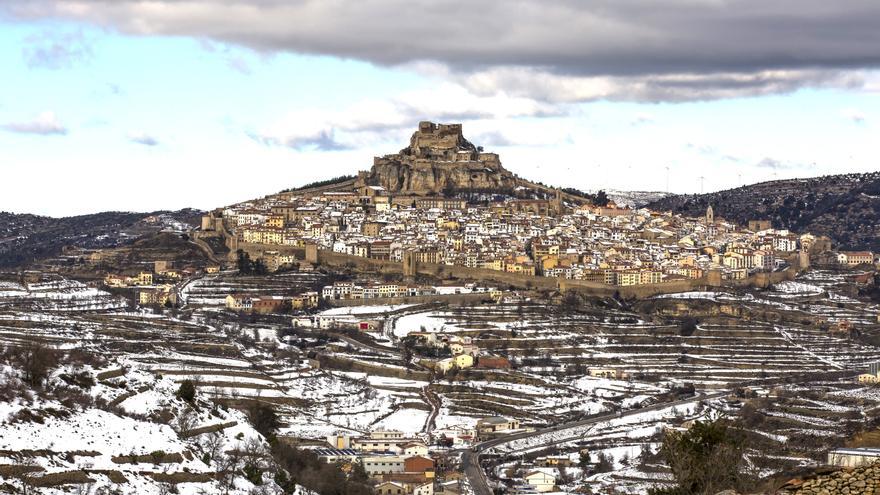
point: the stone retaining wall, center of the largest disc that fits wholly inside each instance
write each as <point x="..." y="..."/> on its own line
<point x="860" y="480"/>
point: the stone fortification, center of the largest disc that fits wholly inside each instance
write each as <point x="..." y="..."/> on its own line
<point x="439" y="159"/>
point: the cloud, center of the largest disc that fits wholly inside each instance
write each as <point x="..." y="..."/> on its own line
<point x="370" y="121"/>
<point x="51" y="50"/>
<point x="143" y="138"/>
<point x="493" y="138"/>
<point x="560" y="88"/>
<point x="319" y="140"/>
<point x="234" y="59"/>
<point x="554" y="50"/>
<point x="45" y="124"/>
<point x="773" y="164"/>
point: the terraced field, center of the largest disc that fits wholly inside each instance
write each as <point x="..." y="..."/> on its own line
<point x="211" y="290"/>
<point x="323" y="382"/>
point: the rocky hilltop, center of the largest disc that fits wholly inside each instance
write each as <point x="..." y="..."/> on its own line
<point x="439" y="160"/>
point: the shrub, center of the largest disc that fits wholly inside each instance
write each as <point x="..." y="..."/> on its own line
<point x="187" y="391"/>
<point x="263" y="419"/>
<point x="705" y="459"/>
<point x="688" y="326"/>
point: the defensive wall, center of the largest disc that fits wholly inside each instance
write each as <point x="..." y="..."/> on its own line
<point x="713" y="280"/>
<point x="388" y="301"/>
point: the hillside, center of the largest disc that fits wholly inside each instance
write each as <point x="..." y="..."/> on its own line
<point x="24" y="237"/>
<point x="845" y="208"/>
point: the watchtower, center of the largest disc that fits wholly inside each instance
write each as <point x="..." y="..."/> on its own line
<point x="410" y="263"/>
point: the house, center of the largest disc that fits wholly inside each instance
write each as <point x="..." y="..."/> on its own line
<point x="305" y="300"/>
<point x="607" y="373"/>
<point x="554" y="461"/>
<point x="418" y="464"/>
<point x="493" y="362"/>
<point x="113" y="280"/>
<point x="144" y="278"/>
<point x="541" y="481"/>
<point x="382" y="441"/>
<point x="404" y="488"/>
<point x="458" y="434"/>
<point x="269" y="304"/>
<point x="239" y="302"/>
<point x="489" y="426"/>
<point x="331" y="456"/>
<point x="159" y="295"/>
<point x="461" y="361"/>
<point x="339" y="441"/>
<point x="382" y="464"/>
<point x="869" y="378"/>
<point x="852" y="258"/>
<point x="391" y="488"/>
<point x="414" y="448"/>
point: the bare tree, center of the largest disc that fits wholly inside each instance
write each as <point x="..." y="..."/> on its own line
<point x="36" y="360"/>
<point x="186" y="421"/>
<point x="212" y="444"/>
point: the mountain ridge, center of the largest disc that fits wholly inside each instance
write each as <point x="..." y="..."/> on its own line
<point x="844" y="207"/>
<point x="26" y="237"/>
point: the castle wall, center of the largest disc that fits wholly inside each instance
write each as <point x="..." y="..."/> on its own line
<point x="387" y="301"/>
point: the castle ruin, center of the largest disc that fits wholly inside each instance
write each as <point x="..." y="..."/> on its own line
<point x="438" y="159"/>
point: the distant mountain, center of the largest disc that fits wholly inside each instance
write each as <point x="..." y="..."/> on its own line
<point x="845" y="208"/>
<point x="25" y="238"/>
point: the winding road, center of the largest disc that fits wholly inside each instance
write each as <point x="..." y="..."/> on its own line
<point x="470" y="459"/>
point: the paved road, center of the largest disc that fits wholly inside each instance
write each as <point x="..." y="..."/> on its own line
<point x="470" y="459"/>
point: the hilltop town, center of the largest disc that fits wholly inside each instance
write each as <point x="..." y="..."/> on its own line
<point x="443" y="205"/>
<point x="437" y="324"/>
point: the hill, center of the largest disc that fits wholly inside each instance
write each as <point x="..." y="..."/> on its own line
<point x="845" y="208"/>
<point x="24" y="237"/>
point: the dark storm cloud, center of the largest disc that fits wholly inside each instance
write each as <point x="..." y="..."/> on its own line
<point x="614" y="49"/>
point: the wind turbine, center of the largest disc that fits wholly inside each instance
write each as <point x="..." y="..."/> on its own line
<point x="667" y="179"/>
<point x="702" y="179"/>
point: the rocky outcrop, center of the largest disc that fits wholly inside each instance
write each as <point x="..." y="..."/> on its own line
<point x="439" y="159"/>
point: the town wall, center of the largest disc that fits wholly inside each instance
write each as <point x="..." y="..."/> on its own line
<point x="483" y="275"/>
<point x="385" y="301"/>
<point x="255" y="250"/>
<point x="506" y="278"/>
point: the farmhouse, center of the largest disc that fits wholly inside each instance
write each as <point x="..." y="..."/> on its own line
<point x="541" y="481"/>
<point x="489" y="426"/>
<point x="239" y="302"/>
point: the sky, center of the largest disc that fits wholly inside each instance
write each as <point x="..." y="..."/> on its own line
<point x="164" y="104"/>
